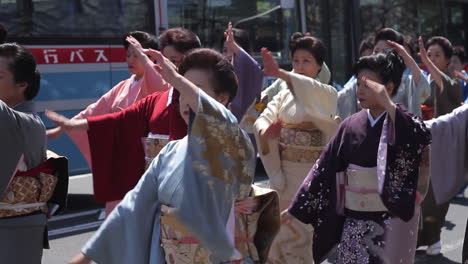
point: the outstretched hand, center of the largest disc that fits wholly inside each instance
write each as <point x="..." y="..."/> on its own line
<point x="270" y="66"/>
<point x="230" y="43"/>
<point x="65" y="123"/>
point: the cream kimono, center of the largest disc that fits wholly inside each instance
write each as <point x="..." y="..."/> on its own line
<point x="307" y="111"/>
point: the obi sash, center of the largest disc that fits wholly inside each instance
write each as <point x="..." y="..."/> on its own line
<point x="29" y="191"/>
<point x="361" y="190"/>
<point x="302" y="143"/>
<point x="254" y="233"/>
<point x="152" y="144"/>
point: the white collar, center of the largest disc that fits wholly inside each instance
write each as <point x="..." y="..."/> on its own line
<point x="371" y="118"/>
<point x="169" y="98"/>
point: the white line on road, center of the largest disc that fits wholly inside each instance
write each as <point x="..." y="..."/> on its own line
<point x="69" y="229"/>
<point x="68" y="216"/>
<point x="77" y="177"/>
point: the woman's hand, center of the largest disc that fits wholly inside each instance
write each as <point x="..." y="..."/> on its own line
<point x="54" y="132"/>
<point x="139" y="50"/>
<point x="165" y="67"/>
<point x="422" y="51"/>
<point x="64" y="123"/>
<point x="409" y="61"/>
<point x="230" y="43"/>
<point x="399" y="49"/>
<point x="80" y="259"/>
<point x="248" y="205"/>
<point x="380" y="93"/>
<point x="270" y="66"/>
<point x="274" y="130"/>
<point x="286" y="217"/>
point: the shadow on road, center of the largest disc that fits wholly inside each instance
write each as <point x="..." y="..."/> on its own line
<point x="422" y="258"/>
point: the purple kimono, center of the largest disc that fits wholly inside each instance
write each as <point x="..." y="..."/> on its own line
<point x="395" y="150"/>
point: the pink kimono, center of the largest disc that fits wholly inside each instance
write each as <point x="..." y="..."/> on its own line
<point x="121" y="96"/>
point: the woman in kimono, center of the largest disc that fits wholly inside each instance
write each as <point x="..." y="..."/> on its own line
<point x="23" y="141"/>
<point x="414" y="88"/>
<point x="277" y="86"/>
<point x="362" y="195"/>
<point x="143" y="82"/>
<point x="446" y="95"/>
<point x="199" y="178"/>
<point x="291" y="132"/>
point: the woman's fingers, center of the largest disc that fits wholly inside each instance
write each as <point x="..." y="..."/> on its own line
<point x="57" y="118"/>
<point x="54" y="132"/>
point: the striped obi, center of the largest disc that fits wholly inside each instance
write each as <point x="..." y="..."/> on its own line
<point x="180" y="247"/>
<point x="361" y="190"/>
<point x="301" y="143"/>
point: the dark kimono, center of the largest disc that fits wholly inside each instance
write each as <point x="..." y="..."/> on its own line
<point x="382" y="229"/>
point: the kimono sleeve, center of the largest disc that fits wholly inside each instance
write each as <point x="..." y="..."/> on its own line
<point x="152" y="81"/>
<point x="250" y="76"/>
<point x="318" y="99"/>
<point x="453" y="87"/>
<point x="11" y="143"/>
<point x="269" y="148"/>
<point x="347" y="101"/>
<point x="116" y="149"/>
<point x="399" y="155"/>
<point x="101" y="107"/>
<point x="271" y="91"/>
<point x="127" y="233"/>
<point x="449" y="153"/>
<point x="219" y="170"/>
<point x="316" y="202"/>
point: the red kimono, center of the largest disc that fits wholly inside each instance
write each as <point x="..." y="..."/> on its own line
<point x="117" y="152"/>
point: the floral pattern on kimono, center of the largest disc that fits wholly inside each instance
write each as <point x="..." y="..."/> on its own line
<point x="317" y="201"/>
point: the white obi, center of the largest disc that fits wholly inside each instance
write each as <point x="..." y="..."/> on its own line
<point x="361" y="190"/>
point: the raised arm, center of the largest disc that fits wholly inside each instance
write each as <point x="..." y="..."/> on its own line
<point x="436" y="74"/>
<point x="169" y="73"/>
<point x="249" y="74"/>
<point x="409" y="61"/>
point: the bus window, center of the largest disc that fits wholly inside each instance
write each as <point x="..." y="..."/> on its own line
<point x="77" y="21"/>
<point x="268" y="24"/>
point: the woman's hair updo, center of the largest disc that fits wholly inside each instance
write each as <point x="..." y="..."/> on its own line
<point x="225" y="80"/>
<point x="311" y="44"/>
<point x="22" y="65"/>
<point x="388" y="65"/>
<point x="147" y="40"/>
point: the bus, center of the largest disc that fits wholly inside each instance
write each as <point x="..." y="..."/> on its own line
<point x="78" y="44"/>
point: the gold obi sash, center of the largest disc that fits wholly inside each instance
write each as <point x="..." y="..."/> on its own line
<point x="152" y="144"/>
<point x="301" y="143"/>
<point x="361" y="191"/>
<point x="29" y="191"/>
<point x="253" y="241"/>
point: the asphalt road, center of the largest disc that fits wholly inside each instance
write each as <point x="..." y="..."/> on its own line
<point x="69" y="232"/>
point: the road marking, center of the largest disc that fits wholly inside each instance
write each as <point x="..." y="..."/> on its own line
<point x="75" y="228"/>
<point x="77" y="177"/>
<point x="73" y="215"/>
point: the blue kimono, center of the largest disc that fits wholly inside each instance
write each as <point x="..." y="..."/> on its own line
<point x="200" y="176"/>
